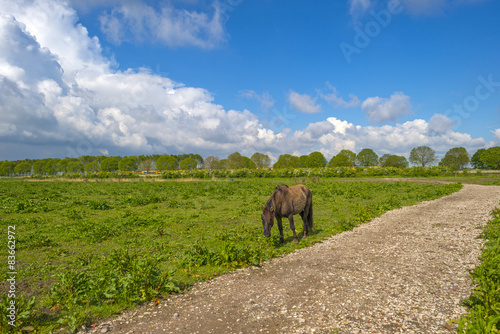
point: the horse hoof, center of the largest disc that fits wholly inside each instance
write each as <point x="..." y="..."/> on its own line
<point x="296" y="241"/>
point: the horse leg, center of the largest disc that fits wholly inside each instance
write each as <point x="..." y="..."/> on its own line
<point x="303" y="215"/>
<point x="292" y="227"/>
<point x="280" y="226"/>
<point x="310" y="218"/>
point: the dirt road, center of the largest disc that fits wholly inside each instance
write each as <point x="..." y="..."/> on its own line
<point x="404" y="272"/>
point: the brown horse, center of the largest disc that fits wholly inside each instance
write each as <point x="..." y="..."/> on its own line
<point x="285" y="202"/>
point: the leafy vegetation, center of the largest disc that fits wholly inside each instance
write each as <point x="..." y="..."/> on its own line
<point x="88" y="166"/>
<point x="88" y="250"/>
<point x="484" y="302"/>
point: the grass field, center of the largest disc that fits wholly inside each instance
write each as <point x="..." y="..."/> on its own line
<point x="87" y="250"/>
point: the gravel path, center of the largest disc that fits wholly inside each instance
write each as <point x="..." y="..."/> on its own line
<point x="404" y="272"/>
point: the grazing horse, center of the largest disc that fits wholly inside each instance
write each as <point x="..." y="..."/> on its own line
<point x="285" y="202"/>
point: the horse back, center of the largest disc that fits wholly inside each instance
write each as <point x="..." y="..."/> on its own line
<point x="299" y="198"/>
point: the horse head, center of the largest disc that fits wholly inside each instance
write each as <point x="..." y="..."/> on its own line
<point x="267" y="219"/>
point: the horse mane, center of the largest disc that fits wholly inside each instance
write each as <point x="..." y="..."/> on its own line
<point x="279" y="189"/>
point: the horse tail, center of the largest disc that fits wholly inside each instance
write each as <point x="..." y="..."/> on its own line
<point x="309" y="206"/>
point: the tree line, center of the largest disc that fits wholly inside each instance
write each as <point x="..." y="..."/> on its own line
<point x="456" y="158"/>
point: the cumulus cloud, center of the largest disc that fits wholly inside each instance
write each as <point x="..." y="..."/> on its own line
<point x="380" y="110"/>
<point x="59" y="96"/>
<point x="440" y="124"/>
<point x="303" y="103"/>
<point x="397" y="139"/>
<point x="338" y="101"/>
<point x="95" y="108"/>
<point x="137" y="21"/>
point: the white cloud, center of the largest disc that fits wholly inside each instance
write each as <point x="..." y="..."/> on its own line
<point x="496" y="133"/>
<point x="137" y="21"/>
<point x="440" y="124"/>
<point x="333" y="135"/>
<point x="54" y="26"/>
<point x="265" y="99"/>
<point x="98" y="109"/>
<point x="303" y="103"/>
<point x="61" y="100"/>
<point x="381" y="110"/>
<point x="338" y="101"/>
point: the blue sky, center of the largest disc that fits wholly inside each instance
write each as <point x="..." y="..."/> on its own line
<point x="214" y="77"/>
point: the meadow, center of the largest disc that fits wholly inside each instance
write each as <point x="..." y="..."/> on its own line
<point x="85" y="251"/>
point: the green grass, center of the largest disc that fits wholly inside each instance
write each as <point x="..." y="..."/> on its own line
<point x="484" y="303"/>
<point x="88" y="250"/>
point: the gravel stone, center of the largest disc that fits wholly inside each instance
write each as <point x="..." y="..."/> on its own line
<point x="404" y="272"/>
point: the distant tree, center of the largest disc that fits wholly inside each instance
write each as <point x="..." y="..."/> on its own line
<point x="491" y="157"/>
<point x="212" y="162"/>
<point x="85" y="159"/>
<point x="303" y="161"/>
<point x="7" y="168"/>
<point x="456" y="158"/>
<point x="128" y="164"/>
<point x="91" y="167"/>
<point x="146" y="164"/>
<point x="39" y="167"/>
<point x="287" y="161"/>
<point x="261" y="160"/>
<point x="476" y="161"/>
<point x="188" y="164"/>
<point x="367" y="157"/>
<point x="109" y="164"/>
<point x="223" y="163"/>
<point x="51" y="166"/>
<point x="235" y="160"/>
<point x="23" y="168"/>
<point x="141" y="158"/>
<point x="166" y="162"/>
<point x="391" y="160"/>
<point x="199" y="160"/>
<point x="249" y="163"/>
<point x="422" y="155"/>
<point x="74" y="166"/>
<point x="62" y="165"/>
<point x="197" y="157"/>
<point x="344" y="158"/>
<point x="315" y="160"/>
<point x="383" y="159"/>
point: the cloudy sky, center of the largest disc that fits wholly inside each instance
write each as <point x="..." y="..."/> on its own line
<point x="88" y="77"/>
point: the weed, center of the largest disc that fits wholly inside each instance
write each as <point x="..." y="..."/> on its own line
<point x="23" y="312"/>
<point x="484" y="303"/>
